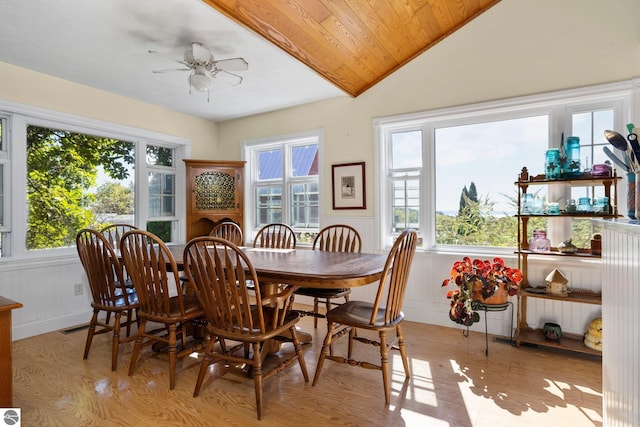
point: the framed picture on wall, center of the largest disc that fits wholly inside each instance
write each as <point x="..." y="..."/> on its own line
<point x="348" y="185"/>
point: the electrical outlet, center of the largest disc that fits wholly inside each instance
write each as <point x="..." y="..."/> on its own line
<point x="78" y="289"/>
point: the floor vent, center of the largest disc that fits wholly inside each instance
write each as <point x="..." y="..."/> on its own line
<point x="75" y="329"/>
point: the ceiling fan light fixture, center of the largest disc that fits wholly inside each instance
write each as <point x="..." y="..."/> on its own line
<point x="199" y="80"/>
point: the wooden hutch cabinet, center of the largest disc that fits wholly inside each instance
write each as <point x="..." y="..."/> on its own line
<point x="214" y="194"/>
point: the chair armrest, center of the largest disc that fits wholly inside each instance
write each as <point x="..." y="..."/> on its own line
<point x="285" y="292"/>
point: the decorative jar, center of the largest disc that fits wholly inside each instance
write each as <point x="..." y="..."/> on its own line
<point x="601" y="205"/>
<point x="526" y="204"/>
<point x="571" y="167"/>
<point x="601" y="170"/>
<point x="552" y="164"/>
<point x="537" y="206"/>
<point x="553" y="208"/>
<point x="539" y="242"/>
<point x="552" y="331"/>
<point x="584" y="204"/>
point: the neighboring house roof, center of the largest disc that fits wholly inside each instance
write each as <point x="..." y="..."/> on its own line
<point x="305" y="163"/>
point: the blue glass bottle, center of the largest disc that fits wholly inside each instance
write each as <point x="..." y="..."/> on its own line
<point x="571" y="167"/>
<point x="552" y="164"/>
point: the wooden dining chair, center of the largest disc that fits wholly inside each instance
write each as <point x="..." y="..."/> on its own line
<point x="230" y="231"/>
<point x="105" y="276"/>
<point x="334" y="238"/>
<point x="275" y="236"/>
<point x="383" y="315"/>
<point x="154" y="273"/>
<point x="220" y="272"/>
<point x="114" y="232"/>
<point x="225" y="230"/>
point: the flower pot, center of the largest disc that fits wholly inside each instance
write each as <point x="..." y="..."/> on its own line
<point x="500" y="296"/>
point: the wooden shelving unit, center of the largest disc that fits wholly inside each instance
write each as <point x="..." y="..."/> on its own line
<point x="535" y="337"/>
<point x="525" y="334"/>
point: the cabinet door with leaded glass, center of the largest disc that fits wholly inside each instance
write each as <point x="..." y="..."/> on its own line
<point x="215" y="194"/>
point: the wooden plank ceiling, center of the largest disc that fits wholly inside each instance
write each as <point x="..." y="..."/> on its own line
<point x="353" y="43"/>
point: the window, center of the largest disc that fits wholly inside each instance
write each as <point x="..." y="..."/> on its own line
<point x="75" y="173"/>
<point x="283" y="183"/>
<point x="450" y="173"/>
<point x="406" y="171"/>
<point x="162" y="192"/>
<point x="64" y="194"/>
<point x="476" y="165"/>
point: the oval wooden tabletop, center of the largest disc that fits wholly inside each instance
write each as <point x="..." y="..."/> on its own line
<point x="309" y="268"/>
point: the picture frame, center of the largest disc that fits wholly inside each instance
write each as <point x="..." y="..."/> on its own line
<point x="348" y="186"/>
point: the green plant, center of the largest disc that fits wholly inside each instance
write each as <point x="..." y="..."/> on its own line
<point x="475" y="276"/>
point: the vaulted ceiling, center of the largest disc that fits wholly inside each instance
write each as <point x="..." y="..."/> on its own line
<point x="299" y="51"/>
<point x="353" y="43"/>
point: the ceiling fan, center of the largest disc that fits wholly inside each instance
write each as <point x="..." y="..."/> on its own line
<point x="203" y="67"/>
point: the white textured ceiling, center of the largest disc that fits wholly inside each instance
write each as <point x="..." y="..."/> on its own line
<point x="104" y="44"/>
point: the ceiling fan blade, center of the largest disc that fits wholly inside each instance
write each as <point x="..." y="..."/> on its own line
<point x="232" y="64"/>
<point x="155" y="52"/>
<point x="200" y="52"/>
<point x="237" y="79"/>
<point x="170" y="70"/>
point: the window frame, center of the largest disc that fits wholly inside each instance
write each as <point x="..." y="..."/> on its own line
<point x="250" y="148"/>
<point x="21" y="116"/>
<point x="176" y="223"/>
<point x="559" y="106"/>
<point x="5" y="184"/>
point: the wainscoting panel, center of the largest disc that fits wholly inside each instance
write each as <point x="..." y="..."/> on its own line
<point x="621" y="324"/>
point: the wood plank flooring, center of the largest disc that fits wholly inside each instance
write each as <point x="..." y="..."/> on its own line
<point x="452" y="384"/>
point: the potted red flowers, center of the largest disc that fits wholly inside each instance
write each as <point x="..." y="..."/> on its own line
<point x="479" y="281"/>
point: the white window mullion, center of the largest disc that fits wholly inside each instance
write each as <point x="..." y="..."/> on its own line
<point x="287" y="173"/>
<point x="18" y="201"/>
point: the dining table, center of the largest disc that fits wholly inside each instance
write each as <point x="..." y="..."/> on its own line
<point x="306" y="268"/>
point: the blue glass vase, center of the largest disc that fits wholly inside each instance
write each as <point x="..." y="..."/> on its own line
<point x="571" y="166"/>
<point x="552" y="169"/>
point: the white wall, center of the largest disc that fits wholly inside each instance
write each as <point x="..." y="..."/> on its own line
<point x="518" y="47"/>
<point x="31" y="88"/>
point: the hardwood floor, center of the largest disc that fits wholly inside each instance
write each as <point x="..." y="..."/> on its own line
<point x="452" y="384"/>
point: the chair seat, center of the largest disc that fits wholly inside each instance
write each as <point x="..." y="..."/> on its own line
<point x="120" y="301"/>
<point x="192" y="309"/>
<point x="290" y="319"/>
<point x="323" y="293"/>
<point x="191" y="306"/>
<point x="358" y="314"/>
<point x="131" y="299"/>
